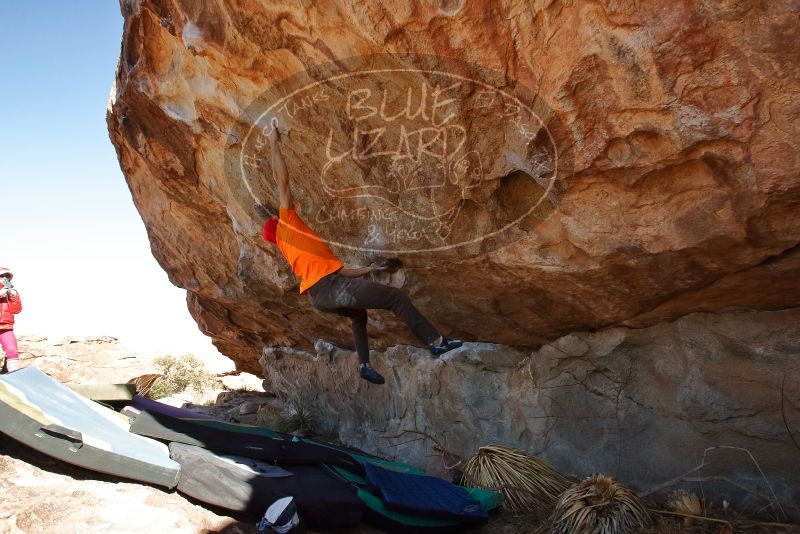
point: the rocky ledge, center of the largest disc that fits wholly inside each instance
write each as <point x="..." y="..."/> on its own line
<point x="704" y="400"/>
<point x="84" y="360"/>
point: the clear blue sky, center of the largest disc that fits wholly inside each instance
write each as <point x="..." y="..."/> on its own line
<point x="69" y="230"/>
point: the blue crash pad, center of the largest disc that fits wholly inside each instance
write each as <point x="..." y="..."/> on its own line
<point x="424" y="495"/>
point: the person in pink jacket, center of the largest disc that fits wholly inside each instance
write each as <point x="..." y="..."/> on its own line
<point x="10" y="305"/>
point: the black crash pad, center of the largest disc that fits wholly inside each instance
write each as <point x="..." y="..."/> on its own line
<point x="241" y="484"/>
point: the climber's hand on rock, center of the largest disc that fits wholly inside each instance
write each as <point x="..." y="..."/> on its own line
<point x="375" y="268"/>
<point x="262" y="210"/>
<point x="389" y="264"/>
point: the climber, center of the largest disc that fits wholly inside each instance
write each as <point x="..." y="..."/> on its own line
<point x="334" y="287"/>
<point x="10" y="305"/>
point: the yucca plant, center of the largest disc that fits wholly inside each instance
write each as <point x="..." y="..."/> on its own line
<point x="299" y="419"/>
<point x="527" y="483"/>
<point x="598" y="505"/>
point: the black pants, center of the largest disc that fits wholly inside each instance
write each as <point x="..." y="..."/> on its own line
<point x="352" y="297"/>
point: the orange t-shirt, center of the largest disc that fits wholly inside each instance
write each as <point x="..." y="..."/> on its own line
<point x="309" y="255"/>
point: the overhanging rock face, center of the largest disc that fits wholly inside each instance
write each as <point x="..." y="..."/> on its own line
<point x="653" y="173"/>
<point x="541" y="168"/>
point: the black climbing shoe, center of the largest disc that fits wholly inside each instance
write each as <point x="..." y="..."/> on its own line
<point x="437" y="349"/>
<point x="369" y="374"/>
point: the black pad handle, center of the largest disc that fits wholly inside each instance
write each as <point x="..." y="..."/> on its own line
<point x="64" y="432"/>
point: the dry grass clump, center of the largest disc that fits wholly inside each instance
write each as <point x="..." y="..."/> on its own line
<point x="244" y="388"/>
<point x="180" y="374"/>
<point x="527" y="483"/>
<point x="598" y="504"/>
<point x="268" y="416"/>
<point x="144" y="383"/>
<point x="687" y="503"/>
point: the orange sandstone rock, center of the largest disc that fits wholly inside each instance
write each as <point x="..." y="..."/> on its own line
<point x="662" y="170"/>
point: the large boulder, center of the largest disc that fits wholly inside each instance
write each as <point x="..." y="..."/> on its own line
<point x="600" y="163"/>
<point x="84" y="360"/>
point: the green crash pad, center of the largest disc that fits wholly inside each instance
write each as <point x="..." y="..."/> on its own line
<point x="488" y="499"/>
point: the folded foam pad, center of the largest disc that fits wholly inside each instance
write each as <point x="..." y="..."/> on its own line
<point x="143" y="403"/>
<point x="249" y="486"/>
<point x="104" y="392"/>
<point x="51" y="418"/>
<point x="282" y="450"/>
<point x="359" y="456"/>
<point x="424" y="495"/>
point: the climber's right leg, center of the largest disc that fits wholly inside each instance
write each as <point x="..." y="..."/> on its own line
<point x="356" y="293"/>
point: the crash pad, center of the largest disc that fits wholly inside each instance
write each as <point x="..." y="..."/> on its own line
<point x="245" y="485"/>
<point x="376" y="511"/>
<point x="424" y="495"/>
<point x="143" y="403"/>
<point x="378" y="514"/>
<point x="283" y="450"/>
<point x="45" y="415"/>
<point x="104" y="392"/>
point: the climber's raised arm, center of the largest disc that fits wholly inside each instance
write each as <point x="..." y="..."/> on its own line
<point x="279" y="169"/>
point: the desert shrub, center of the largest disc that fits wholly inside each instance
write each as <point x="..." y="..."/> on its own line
<point x="244" y="388"/>
<point x="268" y="416"/>
<point x="298" y="418"/>
<point x="180" y="374"/>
